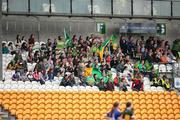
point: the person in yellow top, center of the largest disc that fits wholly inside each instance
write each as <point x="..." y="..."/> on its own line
<point x="165" y="82"/>
<point x="156" y="81"/>
<point x="60" y="43"/>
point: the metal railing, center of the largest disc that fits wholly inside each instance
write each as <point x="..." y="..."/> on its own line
<point x="92" y="14"/>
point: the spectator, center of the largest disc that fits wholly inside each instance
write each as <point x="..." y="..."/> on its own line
<point x="164" y="58"/>
<point x="5" y="49"/>
<point x="101" y="85"/>
<point x="31" y="40"/>
<point x="165" y="82"/>
<point x="54" y="58"/>
<point x="109" y="86"/>
<point x="37" y="76"/>
<point x="16" y="76"/>
<point x="30" y="75"/>
<point x="18" y="40"/>
<point x="156" y="81"/>
<point x="123" y="85"/>
<point x="137" y="84"/>
<point x="11" y="47"/>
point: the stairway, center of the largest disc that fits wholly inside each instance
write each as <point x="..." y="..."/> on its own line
<point x="5" y="115"/>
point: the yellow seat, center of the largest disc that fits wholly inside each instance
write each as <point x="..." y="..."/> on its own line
<point x="168" y="96"/>
<point x="148" y="96"/>
<point x="169" y="106"/>
<point x="138" y="116"/>
<point x="143" y="111"/>
<point x="176" y="111"/>
<point x="150" y="111"/>
<point x="161" y="96"/>
<point x="163" y="106"/>
<point x="149" y="106"/>
<point x="151" y="116"/>
<point x="157" y="116"/>
<point x="157" y="111"/>
<point x="137" y="111"/>
<point x="164" y="111"/>
<point x="55" y="111"/>
<point x="176" y="106"/>
<point x="164" y="116"/>
<point x="171" y="116"/>
<point x="142" y="101"/>
<point x="144" y="116"/>
<point x="143" y="106"/>
<point x="83" y="116"/>
<point x="142" y="96"/>
<point x="90" y="117"/>
<point x="155" y="96"/>
<point x="177" y="116"/>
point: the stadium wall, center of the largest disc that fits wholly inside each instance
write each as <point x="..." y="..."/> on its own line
<point x="51" y="27"/>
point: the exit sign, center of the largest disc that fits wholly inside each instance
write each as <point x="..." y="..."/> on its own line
<point x="161" y="28"/>
<point x="101" y="27"/>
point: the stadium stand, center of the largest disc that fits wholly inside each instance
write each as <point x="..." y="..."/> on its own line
<point x="89" y="95"/>
<point x="116" y="58"/>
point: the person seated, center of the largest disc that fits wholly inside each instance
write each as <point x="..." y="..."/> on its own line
<point x="142" y="67"/>
<point x="37" y="77"/>
<point x="16" y="76"/>
<point x="30" y="75"/>
<point x="101" y="85"/>
<point x="137" y="84"/>
<point x="128" y="113"/>
<point x="164" y="58"/>
<point x="123" y="85"/>
<point x="67" y="80"/>
<point x="165" y="83"/>
<point x="109" y="86"/>
<point x="156" y="81"/>
<point x="50" y="74"/>
<point x="127" y="74"/>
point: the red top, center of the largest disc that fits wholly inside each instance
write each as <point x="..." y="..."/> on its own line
<point x="36" y="75"/>
<point x="108" y="59"/>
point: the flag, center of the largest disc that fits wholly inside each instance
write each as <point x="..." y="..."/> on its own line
<point x="93" y="49"/>
<point x="97" y="72"/>
<point x="137" y="64"/>
<point x="106" y="79"/>
<point x="148" y="66"/>
<point x="179" y="54"/>
<point x="88" y="71"/>
<point x="101" y="49"/>
<point x="67" y="38"/>
<point x="114" y="39"/>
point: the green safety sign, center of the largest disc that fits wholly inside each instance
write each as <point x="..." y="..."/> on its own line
<point x="101" y="27"/>
<point x="161" y="28"/>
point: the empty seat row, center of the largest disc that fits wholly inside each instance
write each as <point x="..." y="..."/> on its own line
<point x="89" y="105"/>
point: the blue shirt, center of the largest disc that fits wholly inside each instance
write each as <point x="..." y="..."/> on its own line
<point x="117" y="114"/>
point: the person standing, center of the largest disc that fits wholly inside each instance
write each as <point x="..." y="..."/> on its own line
<point x="115" y="113"/>
<point x="129" y="112"/>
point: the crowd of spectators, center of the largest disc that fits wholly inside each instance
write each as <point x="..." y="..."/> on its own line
<point x="70" y="63"/>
